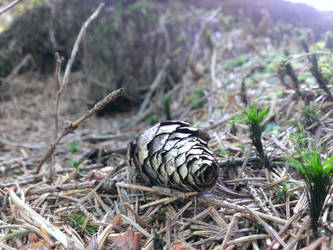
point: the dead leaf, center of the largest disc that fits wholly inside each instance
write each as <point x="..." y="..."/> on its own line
<point x="127" y="241"/>
<point x="44" y="232"/>
<point x="37" y="245"/>
<point x="179" y="246"/>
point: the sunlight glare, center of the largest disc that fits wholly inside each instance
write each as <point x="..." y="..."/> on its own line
<point x="326" y="5"/>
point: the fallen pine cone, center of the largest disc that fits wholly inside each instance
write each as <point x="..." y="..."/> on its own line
<point x="173" y="154"/>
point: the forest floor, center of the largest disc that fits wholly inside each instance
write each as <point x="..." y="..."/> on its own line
<point x="85" y="195"/>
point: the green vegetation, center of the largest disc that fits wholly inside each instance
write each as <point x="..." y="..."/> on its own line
<point x="16" y="234"/>
<point x="166" y="107"/>
<point x="219" y="106"/>
<point x="253" y="119"/>
<point x="282" y="192"/>
<point x="310" y="115"/>
<point x="196" y="98"/>
<point x="236" y="62"/>
<point x="77" y="221"/>
<point x="301" y="141"/>
<point x="318" y="176"/>
<point x="73" y="147"/>
<point x="151" y="120"/>
<point x="223" y="152"/>
<point x="75" y="163"/>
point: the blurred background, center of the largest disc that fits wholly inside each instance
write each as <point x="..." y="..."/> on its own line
<point x="132" y="40"/>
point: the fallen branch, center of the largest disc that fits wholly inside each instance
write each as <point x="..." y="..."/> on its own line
<point x="74" y="125"/>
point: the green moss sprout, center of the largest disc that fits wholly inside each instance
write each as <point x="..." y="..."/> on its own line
<point x="318" y="176"/>
<point x="253" y="119"/>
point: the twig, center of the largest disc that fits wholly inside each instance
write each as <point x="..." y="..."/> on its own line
<point x="221" y="203"/>
<point x="75" y="49"/>
<point x="248" y="238"/>
<point x="304" y="226"/>
<point x="268" y="228"/>
<point x="12" y="4"/>
<point x="169" y="200"/>
<point x="315" y="70"/>
<point x="136" y="225"/>
<point x="138" y="218"/>
<point x="317" y="243"/>
<point x="216" y="82"/>
<point x="231" y="226"/>
<point x="201" y="31"/>
<point x="157" y="81"/>
<point x="6" y="247"/>
<point x="57" y="76"/>
<point x="74" y="125"/>
<point x="306" y="55"/>
<point x="291" y="221"/>
<point x="76" y="46"/>
<point x="65" y="187"/>
<point x="17" y="68"/>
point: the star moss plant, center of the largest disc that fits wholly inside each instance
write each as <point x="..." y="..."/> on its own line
<point x="318" y="176"/>
<point x="253" y="119"/>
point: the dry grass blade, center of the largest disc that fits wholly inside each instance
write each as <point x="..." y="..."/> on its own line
<point x="249" y="238"/>
<point x="229" y="231"/>
<point x="6" y="247"/>
<point x="103" y="236"/>
<point x="139" y="219"/>
<point x="238" y="208"/>
<point x="268" y="228"/>
<point x="135" y="225"/>
<point x="51" y="229"/>
<point x="304" y="226"/>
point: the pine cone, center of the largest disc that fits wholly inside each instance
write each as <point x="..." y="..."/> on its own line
<point x="172" y="154"/>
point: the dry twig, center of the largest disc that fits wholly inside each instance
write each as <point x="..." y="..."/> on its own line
<point x="75" y="49"/>
<point x="74" y="125"/>
<point x="12" y="4"/>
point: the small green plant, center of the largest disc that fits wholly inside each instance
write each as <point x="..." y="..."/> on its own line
<point x="196" y="98"/>
<point x="300" y="140"/>
<point x="73" y="147"/>
<point x="151" y="119"/>
<point x="222" y="151"/>
<point x="282" y="192"/>
<point x="233" y="128"/>
<point x="77" y="221"/>
<point x="181" y="39"/>
<point x="166" y="107"/>
<point x="75" y="163"/>
<point x="310" y="114"/>
<point x="318" y="176"/>
<point x="236" y="62"/>
<point x="219" y="106"/>
<point x="253" y="119"/>
<point x="158" y="242"/>
<point x="37" y="3"/>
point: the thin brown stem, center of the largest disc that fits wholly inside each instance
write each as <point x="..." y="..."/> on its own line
<point x="57" y="76"/>
<point x="74" y="125"/>
<point x="12" y="4"/>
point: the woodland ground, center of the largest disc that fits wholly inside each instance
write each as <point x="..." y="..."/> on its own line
<point x="87" y="191"/>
